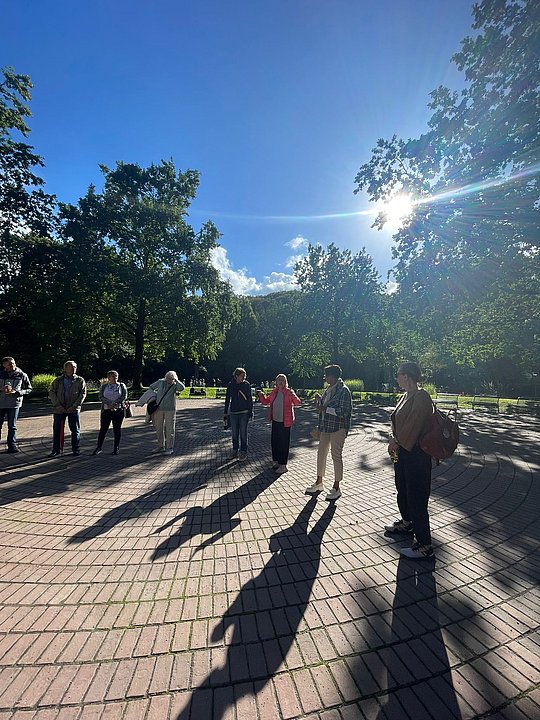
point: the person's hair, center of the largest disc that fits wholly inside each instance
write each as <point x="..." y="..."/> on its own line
<point x="333" y="371"/>
<point x="171" y="373"/>
<point x="71" y="362"/>
<point x="8" y="358"/>
<point x="239" y="371"/>
<point x="113" y="372"/>
<point x="411" y="369"/>
<point x="284" y="377"/>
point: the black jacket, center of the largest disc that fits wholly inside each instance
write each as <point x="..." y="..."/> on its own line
<point x="238" y="398"/>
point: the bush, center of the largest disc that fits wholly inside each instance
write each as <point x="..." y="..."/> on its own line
<point x="355" y="385"/>
<point x="41" y="384"/>
<point x="430" y="388"/>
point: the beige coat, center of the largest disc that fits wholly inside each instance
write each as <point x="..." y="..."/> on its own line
<point x="411" y="418"/>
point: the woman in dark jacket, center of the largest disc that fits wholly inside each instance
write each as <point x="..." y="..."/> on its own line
<point x="113" y="397"/>
<point x="410" y="421"/>
<point x="239" y="411"/>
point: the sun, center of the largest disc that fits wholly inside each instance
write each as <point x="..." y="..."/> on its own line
<point x="397" y="210"/>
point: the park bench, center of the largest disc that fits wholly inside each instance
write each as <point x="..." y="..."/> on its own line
<point x="486" y="402"/>
<point x="197" y="392"/>
<point x="221" y="393"/>
<point x="527" y="406"/>
<point x="447" y="401"/>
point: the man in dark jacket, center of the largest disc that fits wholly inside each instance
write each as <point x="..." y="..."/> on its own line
<point x="67" y="394"/>
<point x="14" y="383"/>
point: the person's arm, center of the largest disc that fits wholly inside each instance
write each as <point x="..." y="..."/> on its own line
<point x="123" y="394"/>
<point x="294" y="397"/>
<point x="250" y="399"/>
<point x="267" y="399"/>
<point x="180" y="386"/>
<point x="26" y="386"/>
<point x="53" y="393"/>
<point x="227" y="400"/>
<point x="421" y="412"/>
<point x="101" y="397"/>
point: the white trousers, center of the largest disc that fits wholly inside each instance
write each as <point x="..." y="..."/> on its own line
<point x="165" y="424"/>
<point x="331" y="441"/>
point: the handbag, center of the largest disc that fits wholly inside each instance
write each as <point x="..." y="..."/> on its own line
<point x="152" y="406"/>
<point x="315" y="433"/>
<point x="128" y="410"/>
<point x="442" y="438"/>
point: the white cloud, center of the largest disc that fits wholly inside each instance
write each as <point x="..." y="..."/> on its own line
<point x="298" y="242"/>
<point x="241" y="282"/>
<point x="292" y="260"/>
<point x="391" y="287"/>
<point x="278" y="282"/>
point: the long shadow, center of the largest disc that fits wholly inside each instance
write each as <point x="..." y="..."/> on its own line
<point x="418" y="664"/>
<point x="216" y="519"/>
<point x="296" y="556"/>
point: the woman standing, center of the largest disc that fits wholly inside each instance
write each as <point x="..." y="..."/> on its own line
<point x="240" y="402"/>
<point x="410" y="421"/>
<point x="164" y="418"/>
<point x="113" y="397"/>
<point x="335" y="410"/>
<point x="281" y="401"/>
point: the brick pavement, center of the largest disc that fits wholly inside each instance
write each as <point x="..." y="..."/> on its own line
<point x="193" y="587"/>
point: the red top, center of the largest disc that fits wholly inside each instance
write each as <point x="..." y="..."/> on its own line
<point x="290" y="398"/>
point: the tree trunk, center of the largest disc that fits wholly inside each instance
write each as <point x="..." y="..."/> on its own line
<point x="139" y="345"/>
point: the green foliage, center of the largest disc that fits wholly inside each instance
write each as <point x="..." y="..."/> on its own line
<point x="355" y="386"/>
<point x="41" y="383"/>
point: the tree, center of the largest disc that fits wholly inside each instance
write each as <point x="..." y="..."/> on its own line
<point x="339" y="299"/>
<point x="144" y="268"/>
<point x="24" y="206"/>
<point x="474" y="175"/>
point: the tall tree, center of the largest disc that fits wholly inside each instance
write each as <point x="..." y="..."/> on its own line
<point x="340" y="294"/>
<point x="474" y="232"/>
<point x="144" y="267"/>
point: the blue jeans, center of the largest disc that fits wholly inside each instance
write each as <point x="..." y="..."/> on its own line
<point x="74" y="426"/>
<point x="11" y="415"/>
<point x="239" y="425"/>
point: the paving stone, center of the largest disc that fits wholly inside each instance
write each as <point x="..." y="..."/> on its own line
<point x="190" y="587"/>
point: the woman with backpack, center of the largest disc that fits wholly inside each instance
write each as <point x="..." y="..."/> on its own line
<point x="412" y="466"/>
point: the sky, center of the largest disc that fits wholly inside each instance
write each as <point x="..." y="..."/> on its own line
<point x="277" y="103"/>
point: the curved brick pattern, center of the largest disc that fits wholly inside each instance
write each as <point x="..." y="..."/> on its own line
<point x="189" y="586"/>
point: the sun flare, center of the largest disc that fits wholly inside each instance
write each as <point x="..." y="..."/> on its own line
<point x="397" y="210"/>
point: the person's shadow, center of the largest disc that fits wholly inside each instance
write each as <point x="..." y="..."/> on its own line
<point x="216" y="519"/>
<point x="293" y="548"/>
<point x="416" y="587"/>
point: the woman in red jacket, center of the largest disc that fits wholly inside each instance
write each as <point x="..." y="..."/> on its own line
<point x="281" y="401"/>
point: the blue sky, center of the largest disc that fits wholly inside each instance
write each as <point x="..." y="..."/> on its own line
<point x="276" y="102"/>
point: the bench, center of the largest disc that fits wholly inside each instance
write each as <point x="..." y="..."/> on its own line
<point x="197" y="391"/>
<point x="448" y="401"/>
<point x="528" y="406"/>
<point x="221" y="393"/>
<point x="486" y="402"/>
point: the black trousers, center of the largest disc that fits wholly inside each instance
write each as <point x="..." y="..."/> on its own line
<point x="413" y="484"/>
<point x="106" y="417"/>
<point x="280" y="440"/>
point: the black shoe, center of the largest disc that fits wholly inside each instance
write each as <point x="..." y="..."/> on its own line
<point x="76" y="452"/>
<point x="54" y="453"/>
<point x="115" y="451"/>
<point x="96" y="451"/>
<point x="13" y="449"/>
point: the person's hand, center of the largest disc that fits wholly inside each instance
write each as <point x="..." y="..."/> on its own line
<point x="8" y="389"/>
<point x="392" y="447"/>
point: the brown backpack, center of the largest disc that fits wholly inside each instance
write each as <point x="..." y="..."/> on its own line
<point x="442" y="438"/>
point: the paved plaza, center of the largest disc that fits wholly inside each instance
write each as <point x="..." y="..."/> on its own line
<point x="191" y="587"/>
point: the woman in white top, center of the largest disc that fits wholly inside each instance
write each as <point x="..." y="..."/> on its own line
<point x="113" y="396"/>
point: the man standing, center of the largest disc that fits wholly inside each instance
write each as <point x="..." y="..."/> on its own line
<point x="14" y="383"/>
<point x="67" y="394"/>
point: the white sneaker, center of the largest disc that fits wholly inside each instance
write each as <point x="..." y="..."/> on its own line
<point x="168" y="452"/>
<point x="314" y="489"/>
<point x="334" y="494"/>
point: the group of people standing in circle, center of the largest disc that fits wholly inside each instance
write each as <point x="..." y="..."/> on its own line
<point x="410" y="421"/>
